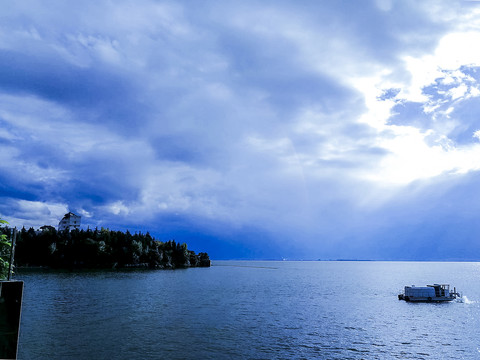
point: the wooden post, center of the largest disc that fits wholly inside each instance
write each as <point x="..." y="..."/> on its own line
<point x="12" y="253"/>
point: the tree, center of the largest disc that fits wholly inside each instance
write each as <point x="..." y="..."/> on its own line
<point x="5" y="246"/>
<point x="100" y="249"/>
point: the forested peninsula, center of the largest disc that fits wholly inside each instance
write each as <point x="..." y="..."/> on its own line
<point x="100" y="249"/>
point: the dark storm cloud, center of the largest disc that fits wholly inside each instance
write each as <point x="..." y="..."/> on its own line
<point x="61" y="82"/>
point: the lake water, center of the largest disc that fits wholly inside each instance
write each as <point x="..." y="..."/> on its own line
<point x="251" y="310"/>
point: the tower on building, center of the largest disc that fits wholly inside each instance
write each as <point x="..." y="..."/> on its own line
<point x="69" y="222"/>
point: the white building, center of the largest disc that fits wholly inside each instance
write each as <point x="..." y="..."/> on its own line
<point x="69" y="222"/>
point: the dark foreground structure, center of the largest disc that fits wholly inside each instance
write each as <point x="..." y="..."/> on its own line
<point x="10" y="313"/>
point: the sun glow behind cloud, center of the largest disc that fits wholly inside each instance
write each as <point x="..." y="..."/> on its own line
<point x="411" y="153"/>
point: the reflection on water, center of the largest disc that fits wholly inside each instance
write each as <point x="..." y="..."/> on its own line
<point x="250" y="310"/>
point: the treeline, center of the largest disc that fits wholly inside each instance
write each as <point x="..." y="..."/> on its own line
<point x="100" y="249"/>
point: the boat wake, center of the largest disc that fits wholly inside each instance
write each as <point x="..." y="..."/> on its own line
<point x="465" y="300"/>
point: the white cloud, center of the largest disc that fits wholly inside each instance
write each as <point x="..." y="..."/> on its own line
<point x="385" y="5"/>
<point x="20" y="213"/>
<point x="118" y="207"/>
<point x="453" y="51"/>
<point x="411" y="154"/>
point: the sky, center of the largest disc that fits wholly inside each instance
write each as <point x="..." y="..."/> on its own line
<point x="247" y="129"/>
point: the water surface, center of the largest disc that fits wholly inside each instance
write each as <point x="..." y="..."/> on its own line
<point x="250" y="310"/>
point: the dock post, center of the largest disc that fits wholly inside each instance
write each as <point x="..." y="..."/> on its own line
<point x="10" y="313"/>
<point x="12" y="254"/>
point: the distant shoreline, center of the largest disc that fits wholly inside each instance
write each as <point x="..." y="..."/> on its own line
<point x="344" y="260"/>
